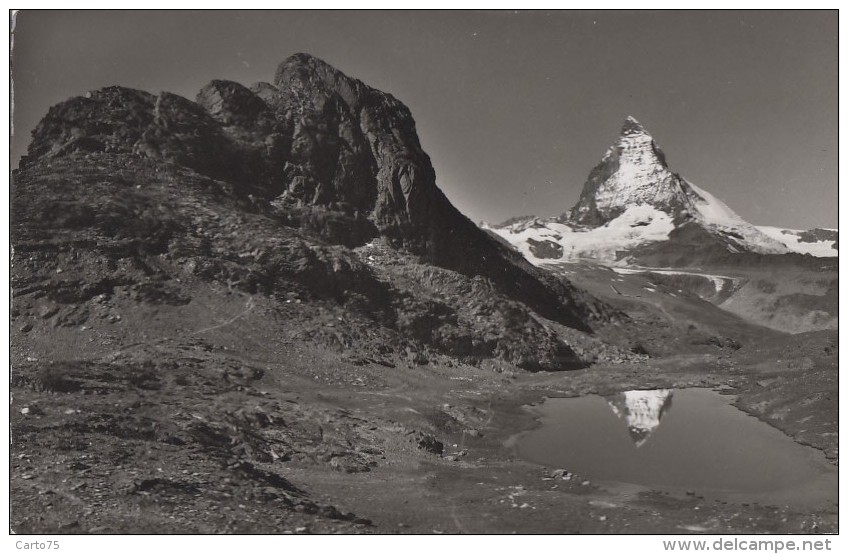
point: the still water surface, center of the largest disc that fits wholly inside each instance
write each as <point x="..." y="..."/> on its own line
<point x="681" y="440"/>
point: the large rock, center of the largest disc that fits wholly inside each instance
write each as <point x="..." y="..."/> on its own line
<point x="112" y="119"/>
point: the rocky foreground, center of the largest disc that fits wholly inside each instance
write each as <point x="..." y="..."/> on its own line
<point x="223" y="435"/>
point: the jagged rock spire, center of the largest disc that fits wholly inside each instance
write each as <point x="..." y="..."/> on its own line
<point x="633" y="171"/>
<point x="631" y="126"/>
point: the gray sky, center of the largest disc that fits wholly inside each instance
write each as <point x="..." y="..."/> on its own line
<point x="513" y="108"/>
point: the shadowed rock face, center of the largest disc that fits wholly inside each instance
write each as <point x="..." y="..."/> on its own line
<point x="317" y="152"/>
<point x="545" y="249"/>
<point x="329" y="153"/>
<point x="313" y="138"/>
<point x="815" y="235"/>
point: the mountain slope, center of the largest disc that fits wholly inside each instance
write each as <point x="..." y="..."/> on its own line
<point x="821" y="243"/>
<point x="314" y="188"/>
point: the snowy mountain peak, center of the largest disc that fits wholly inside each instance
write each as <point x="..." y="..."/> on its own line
<point x="633" y="171"/>
<point x="631" y="200"/>
<point x="632" y="127"/>
<point x="642" y="410"/>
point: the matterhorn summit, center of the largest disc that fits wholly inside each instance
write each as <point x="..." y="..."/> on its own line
<point x="632" y="172"/>
<point x="633" y="204"/>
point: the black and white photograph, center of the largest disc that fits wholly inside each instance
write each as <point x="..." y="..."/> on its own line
<point x="424" y="272"/>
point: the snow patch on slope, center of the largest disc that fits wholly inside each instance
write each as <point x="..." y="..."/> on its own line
<point x="713" y="210"/>
<point x="792" y="239"/>
<point x="713" y="213"/>
<point x="638" y="225"/>
<point x="720" y="282"/>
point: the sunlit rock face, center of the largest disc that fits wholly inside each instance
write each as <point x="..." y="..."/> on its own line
<point x="633" y="171"/>
<point x="642" y="410"/>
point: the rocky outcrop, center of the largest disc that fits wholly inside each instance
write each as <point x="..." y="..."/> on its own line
<point x="819" y="235"/>
<point x="545" y="249"/>
<point x="271" y="188"/>
<point x="167" y="127"/>
<point x="112" y="119"/>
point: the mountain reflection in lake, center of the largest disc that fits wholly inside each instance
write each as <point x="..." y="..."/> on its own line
<point x="643" y="411"/>
<point x="703" y="444"/>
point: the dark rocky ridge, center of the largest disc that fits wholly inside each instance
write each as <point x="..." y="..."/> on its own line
<point x="267" y="189"/>
<point x="815" y="235"/>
